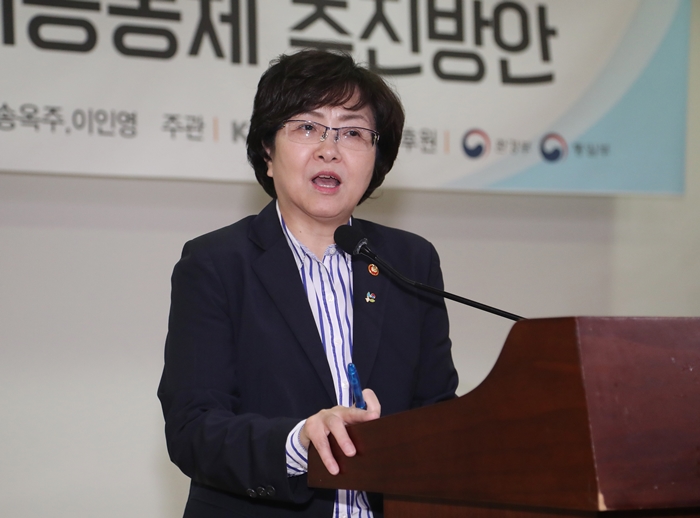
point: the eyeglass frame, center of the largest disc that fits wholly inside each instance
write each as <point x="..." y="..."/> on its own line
<point x="374" y="133"/>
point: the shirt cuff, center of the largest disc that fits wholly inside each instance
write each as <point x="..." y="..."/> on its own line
<point x="297" y="456"/>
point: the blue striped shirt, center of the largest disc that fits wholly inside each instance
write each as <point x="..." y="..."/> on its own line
<point x="328" y="286"/>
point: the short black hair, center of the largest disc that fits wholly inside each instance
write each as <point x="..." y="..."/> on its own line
<point x="309" y="79"/>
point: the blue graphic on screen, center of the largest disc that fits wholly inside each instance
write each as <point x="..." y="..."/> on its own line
<point x="646" y="145"/>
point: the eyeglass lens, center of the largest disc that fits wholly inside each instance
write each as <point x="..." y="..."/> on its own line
<point x="309" y="132"/>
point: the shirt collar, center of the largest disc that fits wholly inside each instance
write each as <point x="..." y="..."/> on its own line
<point x="299" y="251"/>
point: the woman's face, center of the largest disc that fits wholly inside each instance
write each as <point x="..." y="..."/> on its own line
<point x="321" y="181"/>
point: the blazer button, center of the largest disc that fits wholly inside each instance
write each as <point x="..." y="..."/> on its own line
<point x="270" y="490"/>
<point x="261" y="491"/>
<point x="251" y="493"/>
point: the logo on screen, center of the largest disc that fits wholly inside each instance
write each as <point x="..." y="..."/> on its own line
<point x="476" y="143"/>
<point x="553" y="147"/>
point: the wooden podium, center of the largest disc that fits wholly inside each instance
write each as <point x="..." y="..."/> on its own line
<point x="579" y="417"/>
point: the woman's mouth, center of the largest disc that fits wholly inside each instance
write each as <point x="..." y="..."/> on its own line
<point x="326" y="181"/>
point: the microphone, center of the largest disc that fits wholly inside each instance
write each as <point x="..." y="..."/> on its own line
<point x="352" y="241"/>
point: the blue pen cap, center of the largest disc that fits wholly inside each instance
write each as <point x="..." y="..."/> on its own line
<point x="355" y="387"/>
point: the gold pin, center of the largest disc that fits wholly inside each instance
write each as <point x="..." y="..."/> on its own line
<point x="373" y="270"/>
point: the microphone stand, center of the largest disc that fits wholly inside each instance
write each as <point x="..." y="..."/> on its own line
<point x="364" y="250"/>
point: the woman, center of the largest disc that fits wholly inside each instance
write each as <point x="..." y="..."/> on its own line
<point x="267" y="313"/>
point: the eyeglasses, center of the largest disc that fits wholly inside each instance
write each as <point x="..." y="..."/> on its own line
<point x="309" y="132"/>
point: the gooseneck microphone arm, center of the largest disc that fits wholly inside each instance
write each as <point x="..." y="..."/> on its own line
<point x="351" y="241"/>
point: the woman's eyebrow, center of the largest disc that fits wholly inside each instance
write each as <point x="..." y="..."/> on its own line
<point x="351" y="116"/>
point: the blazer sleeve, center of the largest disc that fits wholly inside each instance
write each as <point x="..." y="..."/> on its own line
<point x="207" y="436"/>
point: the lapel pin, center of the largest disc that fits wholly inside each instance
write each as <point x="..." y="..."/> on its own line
<point x="371" y="297"/>
<point x="373" y="269"/>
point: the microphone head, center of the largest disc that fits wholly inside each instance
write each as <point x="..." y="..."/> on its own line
<point x="350" y="239"/>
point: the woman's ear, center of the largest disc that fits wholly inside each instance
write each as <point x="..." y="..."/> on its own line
<point x="268" y="161"/>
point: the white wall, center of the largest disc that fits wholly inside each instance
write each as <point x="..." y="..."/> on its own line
<point x="84" y="287"/>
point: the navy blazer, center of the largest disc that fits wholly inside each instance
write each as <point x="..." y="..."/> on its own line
<point x="244" y="361"/>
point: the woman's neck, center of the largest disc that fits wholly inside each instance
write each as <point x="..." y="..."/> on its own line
<point x="315" y="235"/>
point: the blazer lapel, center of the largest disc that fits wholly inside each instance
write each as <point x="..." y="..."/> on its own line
<point x="279" y="275"/>
<point x="370" y="298"/>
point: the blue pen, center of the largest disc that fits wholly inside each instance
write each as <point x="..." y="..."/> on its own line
<point x="355" y="387"/>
